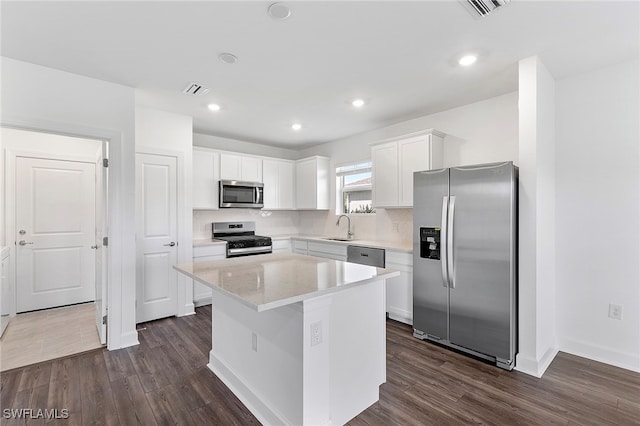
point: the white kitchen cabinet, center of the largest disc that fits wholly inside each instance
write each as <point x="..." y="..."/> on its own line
<point x="400" y="288"/>
<point x="278" y="184"/>
<point x="206" y="174"/>
<point x="240" y="167"/>
<point x="327" y="250"/>
<point x="299" y="246"/>
<point x="201" y="293"/>
<point x="281" y="245"/>
<point x="394" y="163"/>
<point x="312" y="183"/>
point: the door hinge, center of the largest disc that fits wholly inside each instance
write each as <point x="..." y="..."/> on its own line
<point x="105" y="241"/>
<point x="105" y="162"/>
<point x="104" y="320"/>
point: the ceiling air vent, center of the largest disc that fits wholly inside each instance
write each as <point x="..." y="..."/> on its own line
<point x="479" y="8"/>
<point x="195" y="89"/>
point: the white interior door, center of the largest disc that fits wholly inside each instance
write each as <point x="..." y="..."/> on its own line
<point x="55" y="229"/>
<point x="101" y="252"/>
<point x="156" y="236"/>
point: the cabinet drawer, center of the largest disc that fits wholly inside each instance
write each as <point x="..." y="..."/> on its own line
<point x="281" y="245"/>
<point x="328" y="255"/>
<point x="299" y="245"/>
<point x="212" y="250"/>
<point x="335" y="249"/>
<point x="399" y="258"/>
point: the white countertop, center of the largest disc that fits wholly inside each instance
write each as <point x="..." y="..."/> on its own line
<point x="279" y="279"/>
<point x="406" y="247"/>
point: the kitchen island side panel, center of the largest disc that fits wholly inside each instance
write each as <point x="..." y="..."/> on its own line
<point x="292" y="377"/>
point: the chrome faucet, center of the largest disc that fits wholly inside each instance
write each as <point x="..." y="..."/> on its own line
<point x="349" y="233"/>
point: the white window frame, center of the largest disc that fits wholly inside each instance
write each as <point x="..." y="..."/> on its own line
<point x="347" y="169"/>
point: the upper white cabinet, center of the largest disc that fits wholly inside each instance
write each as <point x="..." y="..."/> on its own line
<point x="312" y="183"/>
<point x="394" y="163"/>
<point x="240" y="167"/>
<point x="278" y="184"/>
<point x="206" y="174"/>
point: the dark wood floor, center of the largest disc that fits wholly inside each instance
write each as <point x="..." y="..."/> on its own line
<point x="164" y="380"/>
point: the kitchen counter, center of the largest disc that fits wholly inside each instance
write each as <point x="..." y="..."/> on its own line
<point x="406" y="247"/>
<point x="298" y="339"/>
<point x="268" y="282"/>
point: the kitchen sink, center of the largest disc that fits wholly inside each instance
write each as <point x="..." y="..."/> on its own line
<point x="338" y="239"/>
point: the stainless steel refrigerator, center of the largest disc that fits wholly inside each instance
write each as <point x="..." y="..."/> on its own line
<point x="465" y="259"/>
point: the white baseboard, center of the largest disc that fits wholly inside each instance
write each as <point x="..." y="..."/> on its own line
<point x="202" y="302"/>
<point x="187" y="309"/>
<point x="128" y="339"/>
<point x="536" y="367"/>
<point x="602" y="354"/>
<point x="253" y="402"/>
<point x="402" y="316"/>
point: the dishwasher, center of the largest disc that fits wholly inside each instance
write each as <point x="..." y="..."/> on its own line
<point x="366" y="256"/>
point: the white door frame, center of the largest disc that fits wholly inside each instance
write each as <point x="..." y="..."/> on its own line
<point x="121" y="327"/>
<point x="184" y="300"/>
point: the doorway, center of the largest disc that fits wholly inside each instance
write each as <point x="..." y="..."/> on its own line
<point x="56" y="192"/>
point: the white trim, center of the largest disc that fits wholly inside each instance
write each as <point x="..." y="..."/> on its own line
<point x="184" y="302"/>
<point x="535" y="367"/>
<point x="117" y="275"/>
<point x="627" y="360"/>
<point x="425" y="132"/>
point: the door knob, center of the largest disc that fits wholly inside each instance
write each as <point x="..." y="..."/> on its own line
<point x="171" y="244"/>
<point x="94" y="247"/>
<point x="24" y="243"/>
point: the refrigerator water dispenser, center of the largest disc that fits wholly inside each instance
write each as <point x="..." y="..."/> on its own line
<point x="430" y="243"/>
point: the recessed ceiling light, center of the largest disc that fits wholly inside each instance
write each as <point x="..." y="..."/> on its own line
<point x="296" y="126"/>
<point x="357" y="103"/>
<point x="467" y="60"/>
<point x="279" y="11"/>
<point x="228" y="58"/>
<point x="214" y="107"/>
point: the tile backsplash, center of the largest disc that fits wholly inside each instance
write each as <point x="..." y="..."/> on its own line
<point x="394" y="225"/>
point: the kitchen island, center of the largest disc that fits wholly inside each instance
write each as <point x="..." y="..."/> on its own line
<point x="298" y="339"/>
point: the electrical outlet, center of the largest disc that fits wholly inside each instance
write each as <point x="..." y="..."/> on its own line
<point x="396" y="227"/>
<point x="316" y="333"/>
<point x="254" y="342"/>
<point x="615" y="311"/>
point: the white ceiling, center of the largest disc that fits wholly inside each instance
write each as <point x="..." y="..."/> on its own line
<point x="399" y="56"/>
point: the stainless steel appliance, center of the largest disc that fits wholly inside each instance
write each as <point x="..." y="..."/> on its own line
<point x="366" y="256"/>
<point x="465" y="259"/>
<point x="241" y="238"/>
<point x="239" y="194"/>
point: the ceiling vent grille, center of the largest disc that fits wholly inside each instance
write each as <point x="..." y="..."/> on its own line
<point x="195" y="89"/>
<point x="480" y="8"/>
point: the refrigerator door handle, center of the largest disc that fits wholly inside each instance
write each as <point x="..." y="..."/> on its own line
<point x="450" y="231"/>
<point x="443" y="240"/>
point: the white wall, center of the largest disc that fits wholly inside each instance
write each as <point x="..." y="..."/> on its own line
<point x="536" y="329"/>
<point x="270" y="223"/>
<point x="482" y="132"/>
<point x="234" y="145"/>
<point x="598" y="213"/>
<point x="40" y="98"/>
<point x="161" y="132"/>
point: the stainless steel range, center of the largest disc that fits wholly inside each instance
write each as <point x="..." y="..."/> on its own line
<point x="241" y="238"/>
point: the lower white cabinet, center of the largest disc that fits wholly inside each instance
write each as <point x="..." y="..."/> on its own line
<point x="299" y="246"/>
<point x="281" y="245"/>
<point x="327" y="250"/>
<point x="400" y="289"/>
<point x="201" y="293"/>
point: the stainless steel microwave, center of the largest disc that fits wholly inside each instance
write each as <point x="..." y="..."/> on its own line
<point x="237" y="194"/>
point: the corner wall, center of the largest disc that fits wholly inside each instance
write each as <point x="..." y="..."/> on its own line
<point x="536" y="299"/>
<point x="45" y="99"/>
<point x="598" y="213"/>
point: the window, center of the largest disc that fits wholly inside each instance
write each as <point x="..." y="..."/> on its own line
<point x="353" y="189"/>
